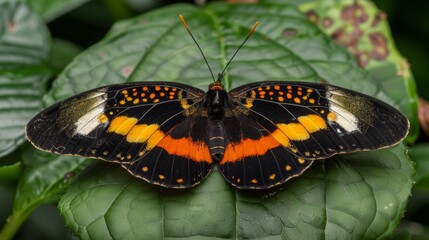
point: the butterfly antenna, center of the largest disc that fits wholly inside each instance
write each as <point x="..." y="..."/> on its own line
<point x="238" y="49"/>
<point x="201" y="51"/>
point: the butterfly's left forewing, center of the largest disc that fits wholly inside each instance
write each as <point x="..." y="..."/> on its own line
<point x="115" y="123"/>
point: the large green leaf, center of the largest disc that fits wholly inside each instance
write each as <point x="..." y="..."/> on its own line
<point x="24" y="50"/>
<point x="348" y="197"/>
<point x="44" y="176"/>
<point x="354" y="196"/>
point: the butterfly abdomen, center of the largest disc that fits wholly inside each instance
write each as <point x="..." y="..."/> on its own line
<point x="216" y="139"/>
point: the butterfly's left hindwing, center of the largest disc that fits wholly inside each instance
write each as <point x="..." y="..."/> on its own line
<point x="180" y="160"/>
<point x="114" y="123"/>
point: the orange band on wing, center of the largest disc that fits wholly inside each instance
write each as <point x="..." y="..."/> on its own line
<point x="153" y="136"/>
<point x="187" y="148"/>
<point x="282" y="136"/>
<point x="248" y="147"/>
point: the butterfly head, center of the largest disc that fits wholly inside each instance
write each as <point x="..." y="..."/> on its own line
<point x="216" y="86"/>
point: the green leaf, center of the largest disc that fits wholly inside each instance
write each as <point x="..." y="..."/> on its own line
<point x="360" y="195"/>
<point x="364" y="31"/>
<point x="24" y="49"/>
<point x="51" y="9"/>
<point x="44" y="176"/>
<point x="420" y="155"/>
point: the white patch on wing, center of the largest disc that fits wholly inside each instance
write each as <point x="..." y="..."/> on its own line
<point x="347" y="120"/>
<point x="90" y="119"/>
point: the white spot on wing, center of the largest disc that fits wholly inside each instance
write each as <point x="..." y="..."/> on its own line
<point x="347" y="120"/>
<point x="90" y="120"/>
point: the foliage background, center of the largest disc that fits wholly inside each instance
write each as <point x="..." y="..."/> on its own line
<point x="85" y="25"/>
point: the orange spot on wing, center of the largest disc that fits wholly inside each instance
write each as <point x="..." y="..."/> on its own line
<point x="122" y="125"/>
<point x="294" y="131"/>
<point x="140" y="133"/>
<point x="102" y="118"/>
<point x="312" y="122"/>
<point x="332" y="117"/>
<point x="297" y="100"/>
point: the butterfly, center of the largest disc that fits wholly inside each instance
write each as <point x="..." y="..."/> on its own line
<point x="259" y="135"/>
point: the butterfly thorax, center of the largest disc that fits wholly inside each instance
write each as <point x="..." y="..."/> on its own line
<point x="216" y="101"/>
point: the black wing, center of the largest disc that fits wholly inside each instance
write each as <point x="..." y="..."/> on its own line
<point x="115" y="123"/>
<point x="278" y="128"/>
<point x="320" y="120"/>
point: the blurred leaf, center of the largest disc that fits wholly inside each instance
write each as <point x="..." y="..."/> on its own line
<point x="24" y="50"/>
<point x="63" y="53"/>
<point x="142" y="5"/>
<point x="364" y="31"/>
<point x="360" y="195"/>
<point x="413" y="231"/>
<point x="51" y="9"/>
<point x="403" y="235"/>
<point x="420" y="155"/>
<point x="10" y="173"/>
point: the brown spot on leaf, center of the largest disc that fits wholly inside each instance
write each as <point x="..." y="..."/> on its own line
<point x="312" y="16"/>
<point x="362" y="58"/>
<point x="68" y="175"/>
<point x="327" y="22"/>
<point x="289" y="32"/>
<point x="354" y="14"/>
<point x="126" y="71"/>
<point x="11" y="26"/>
<point x="347" y="37"/>
<point x="380" y="16"/>
<point x="379" y="46"/>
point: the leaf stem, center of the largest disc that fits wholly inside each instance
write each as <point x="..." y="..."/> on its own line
<point x="13" y="223"/>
